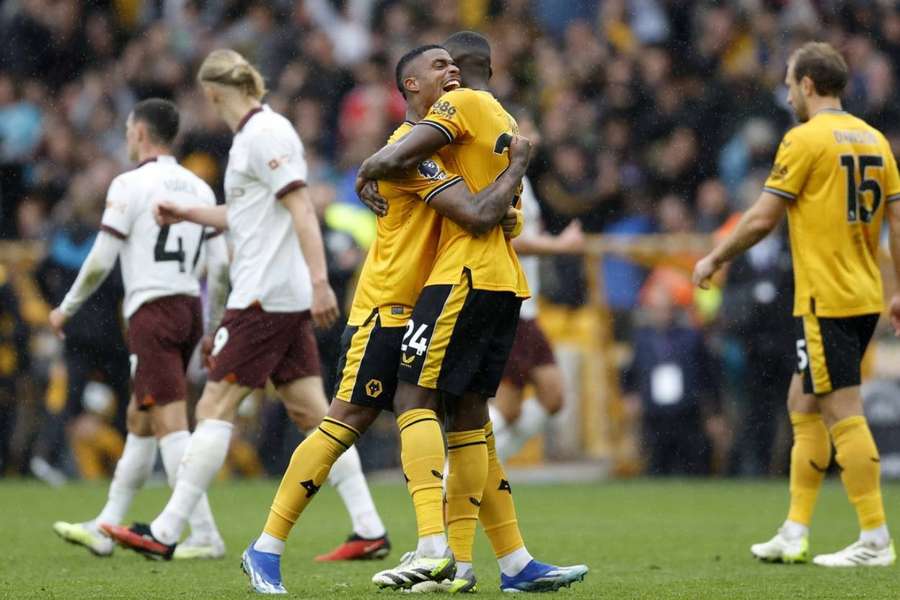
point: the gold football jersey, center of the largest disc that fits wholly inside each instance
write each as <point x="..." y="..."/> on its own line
<point x="837" y="173"/>
<point x="479" y="131"/>
<point x="406" y="241"/>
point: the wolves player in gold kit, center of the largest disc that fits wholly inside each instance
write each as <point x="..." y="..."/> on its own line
<point x="836" y="178"/>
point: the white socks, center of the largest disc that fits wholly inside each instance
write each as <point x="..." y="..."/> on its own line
<point x="432" y="546"/>
<point x="878" y="538"/>
<point x="172" y="447"/>
<point x="203" y="457"/>
<point x="347" y="478"/>
<point x="793" y="530"/>
<point x="510" y="437"/>
<point x="269" y="543"/>
<point x="132" y="470"/>
<point x="513" y="563"/>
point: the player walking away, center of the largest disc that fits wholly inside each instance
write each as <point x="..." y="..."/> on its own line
<point x="279" y="289"/>
<point x="515" y="418"/>
<point x="378" y="330"/>
<point x="836" y="177"/>
<point x="163" y="308"/>
<point x="463" y="327"/>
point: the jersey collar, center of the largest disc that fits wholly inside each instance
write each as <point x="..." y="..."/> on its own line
<point x="246" y="118"/>
<point x="163" y="158"/>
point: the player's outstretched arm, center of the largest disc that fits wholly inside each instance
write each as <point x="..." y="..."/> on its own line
<point x="753" y="226"/>
<point x="97" y="266"/>
<point x="306" y="224"/>
<point x="569" y="241"/>
<point x="892" y="212"/>
<point x="394" y="160"/>
<point x="168" y="213"/>
<point x="478" y="213"/>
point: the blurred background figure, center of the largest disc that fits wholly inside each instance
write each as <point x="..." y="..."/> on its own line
<point x="94" y="349"/>
<point x="673" y="383"/>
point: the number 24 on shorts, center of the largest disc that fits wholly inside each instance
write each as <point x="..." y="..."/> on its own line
<point x="417" y="342"/>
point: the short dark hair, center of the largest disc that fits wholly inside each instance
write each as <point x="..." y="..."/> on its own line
<point x="472" y="48"/>
<point x="160" y="116"/>
<point x="400" y="71"/>
<point x="823" y="65"/>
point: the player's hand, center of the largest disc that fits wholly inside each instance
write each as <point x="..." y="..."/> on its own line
<point x="519" y="150"/>
<point x="369" y="195"/>
<point x="571" y="239"/>
<point x="168" y="213"/>
<point x="895" y="314"/>
<point x="705" y="268"/>
<point x="206" y="348"/>
<point x="324" y="306"/>
<point x="512" y="223"/>
<point x="57" y="320"/>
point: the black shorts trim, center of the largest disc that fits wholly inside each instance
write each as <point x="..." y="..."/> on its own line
<point x="459" y="338"/>
<point x="367" y="366"/>
<point x="830" y="350"/>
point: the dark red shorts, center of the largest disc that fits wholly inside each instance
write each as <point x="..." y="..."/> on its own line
<point x="253" y="345"/>
<point x="162" y="335"/>
<point x="530" y="350"/>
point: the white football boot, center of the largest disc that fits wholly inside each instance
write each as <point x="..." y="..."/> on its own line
<point x="859" y="554"/>
<point x="86" y="535"/>
<point x="781" y="549"/>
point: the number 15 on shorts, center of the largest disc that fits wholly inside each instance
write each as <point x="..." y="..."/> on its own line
<point x="415" y="338"/>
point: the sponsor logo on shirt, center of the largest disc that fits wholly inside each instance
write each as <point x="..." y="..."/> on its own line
<point x="443" y="108"/>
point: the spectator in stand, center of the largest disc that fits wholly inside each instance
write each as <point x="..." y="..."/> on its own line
<point x="93" y="346"/>
<point x="672" y="383"/>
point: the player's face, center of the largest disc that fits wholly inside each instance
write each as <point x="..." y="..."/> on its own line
<point x="795" y="95"/>
<point x="131" y="138"/>
<point x="212" y="95"/>
<point x="436" y="74"/>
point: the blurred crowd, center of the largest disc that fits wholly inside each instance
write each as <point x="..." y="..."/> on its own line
<point x="651" y="116"/>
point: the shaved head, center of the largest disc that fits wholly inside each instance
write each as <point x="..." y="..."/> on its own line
<point x="472" y="53"/>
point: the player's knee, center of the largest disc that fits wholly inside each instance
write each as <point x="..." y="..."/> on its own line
<point x="138" y="421"/>
<point x="511" y="411"/>
<point x="220" y="401"/>
<point x="552" y="400"/>
<point x="409" y="397"/>
<point x="550" y="389"/>
<point x="169" y="418"/>
<point x="354" y="415"/>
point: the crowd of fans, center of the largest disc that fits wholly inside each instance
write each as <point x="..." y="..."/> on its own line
<point x="650" y="116"/>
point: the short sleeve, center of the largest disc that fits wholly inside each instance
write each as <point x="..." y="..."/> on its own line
<point x="891" y="176"/>
<point x="793" y="162"/>
<point x="454" y="114"/>
<point x="117" y="216"/>
<point x="276" y="158"/>
<point x="429" y="179"/>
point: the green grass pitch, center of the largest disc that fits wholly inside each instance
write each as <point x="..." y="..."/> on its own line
<point x="641" y="539"/>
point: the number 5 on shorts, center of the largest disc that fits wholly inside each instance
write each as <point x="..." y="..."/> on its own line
<point x="802" y="357"/>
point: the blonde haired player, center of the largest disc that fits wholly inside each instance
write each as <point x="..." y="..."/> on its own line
<point x="279" y="289"/>
<point x="160" y="266"/>
<point x="837" y="178"/>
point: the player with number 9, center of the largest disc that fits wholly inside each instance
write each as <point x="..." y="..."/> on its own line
<point x="836" y="177"/>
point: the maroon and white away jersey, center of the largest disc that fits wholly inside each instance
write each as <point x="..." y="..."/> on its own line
<point x="265" y="162"/>
<point x="156" y="261"/>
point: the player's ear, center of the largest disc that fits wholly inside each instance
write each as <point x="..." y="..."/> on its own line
<point x="411" y="84"/>
<point x="807" y="85"/>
